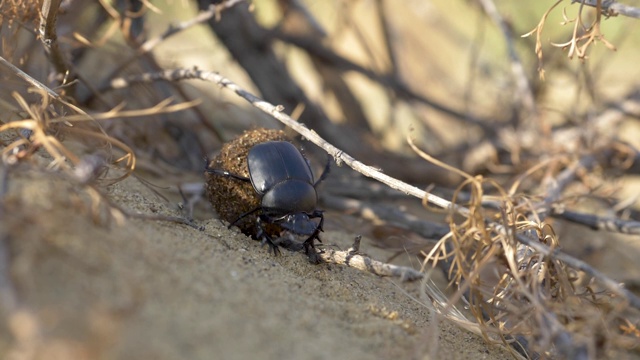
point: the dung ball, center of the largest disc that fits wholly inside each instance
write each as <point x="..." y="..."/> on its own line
<point x="231" y="197"/>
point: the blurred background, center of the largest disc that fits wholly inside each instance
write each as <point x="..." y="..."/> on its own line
<point x="363" y="74"/>
<point x="516" y="92"/>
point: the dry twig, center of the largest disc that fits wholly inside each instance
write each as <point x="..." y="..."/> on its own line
<point x="173" y="29"/>
<point x="524" y="93"/>
<point x="612" y="8"/>
<point x="352" y="258"/>
<point x="49" y="36"/>
<point x="601" y="223"/>
<point x="583" y="36"/>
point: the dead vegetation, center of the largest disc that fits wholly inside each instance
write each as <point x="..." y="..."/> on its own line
<point x="527" y="155"/>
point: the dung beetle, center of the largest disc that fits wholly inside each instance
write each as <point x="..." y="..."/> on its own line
<point x="281" y="177"/>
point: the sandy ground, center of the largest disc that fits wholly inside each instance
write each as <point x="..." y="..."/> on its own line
<point x="94" y="287"/>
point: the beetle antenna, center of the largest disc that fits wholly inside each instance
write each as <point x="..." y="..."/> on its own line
<point x="226" y="173"/>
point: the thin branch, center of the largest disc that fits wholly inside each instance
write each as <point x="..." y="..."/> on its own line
<point x="147" y="46"/>
<point x="352" y="258"/>
<point x="48" y="20"/>
<point x="600" y="222"/>
<point x="580" y="265"/>
<point x="390" y="214"/>
<point x="613" y="8"/>
<point x="339" y="156"/>
<point x="26" y="77"/>
<point x="524" y="92"/>
<point x="557" y="184"/>
<point x="162" y="107"/>
<point x="388" y="37"/>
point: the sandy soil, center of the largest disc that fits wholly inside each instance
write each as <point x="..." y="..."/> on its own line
<point x="93" y="287"/>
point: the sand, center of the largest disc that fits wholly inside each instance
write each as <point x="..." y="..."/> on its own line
<point x="93" y="286"/>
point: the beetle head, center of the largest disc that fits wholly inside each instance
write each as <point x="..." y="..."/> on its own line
<point x="299" y="223"/>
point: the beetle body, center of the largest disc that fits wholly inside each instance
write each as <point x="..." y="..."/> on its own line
<point x="283" y="183"/>
<point x="282" y="178"/>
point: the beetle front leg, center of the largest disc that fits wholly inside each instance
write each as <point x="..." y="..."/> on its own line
<point x="264" y="237"/>
<point x="309" y="246"/>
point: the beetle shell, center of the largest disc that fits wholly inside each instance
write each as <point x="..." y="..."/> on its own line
<point x="231" y="198"/>
<point x="280" y="173"/>
<point x="276" y="158"/>
<point x="299" y="196"/>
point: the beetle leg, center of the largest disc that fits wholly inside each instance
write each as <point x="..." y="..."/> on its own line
<point x="308" y="244"/>
<point x="242" y="216"/>
<point x="265" y="238"/>
<point x="316" y="214"/>
<point x="226" y="173"/>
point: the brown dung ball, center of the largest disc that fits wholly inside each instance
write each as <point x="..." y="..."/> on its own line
<point x="232" y="197"/>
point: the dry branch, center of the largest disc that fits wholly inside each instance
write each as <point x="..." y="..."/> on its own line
<point x="352" y="258"/>
<point x="173" y="29"/>
<point x="29" y="79"/>
<point x="49" y="36"/>
<point x="580" y="265"/>
<point x="339" y="156"/>
<point x="612" y="8"/>
<point x="390" y="214"/>
<point x="524" y="92"/>
<point x="600" y="222"/>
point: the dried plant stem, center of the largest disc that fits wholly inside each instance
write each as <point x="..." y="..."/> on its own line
<point x="352" y="258"/>
<point x="580" y="265"/>
<point x="339" y="156"/>
<point x="370" y="211"/>
<point x="556" y="185"/>
<point x="524" y="91"/>
<point x="601" y="223"/>
<point x="26" y="77"/>
<point x="613" y="8"/>
<point x="147" y="46"/>
<point x="49" y="37"/>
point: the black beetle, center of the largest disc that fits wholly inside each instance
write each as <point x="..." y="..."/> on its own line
<point x="282" y="178"/>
